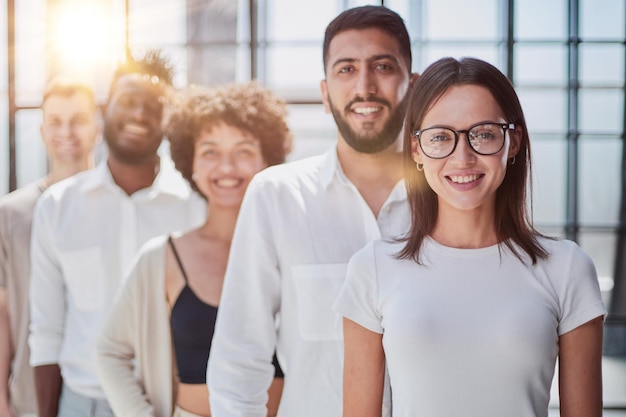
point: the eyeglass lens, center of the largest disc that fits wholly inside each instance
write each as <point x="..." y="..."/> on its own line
<point x="439" y="142"/>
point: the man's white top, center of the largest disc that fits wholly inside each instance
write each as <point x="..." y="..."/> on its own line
<point x="472" y="332"/>
<point x="298" y="226"/>
<point x="86" y="232"/>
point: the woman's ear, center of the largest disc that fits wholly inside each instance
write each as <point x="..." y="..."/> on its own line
<point x="415" y="150"/>
<point x="515" y="142"/>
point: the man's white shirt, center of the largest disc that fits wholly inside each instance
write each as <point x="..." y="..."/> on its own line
<point x="298" y="226"/>
<point x="86" y="232"/>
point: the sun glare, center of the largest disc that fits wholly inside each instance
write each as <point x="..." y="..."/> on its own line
<point x="84" y="36"/>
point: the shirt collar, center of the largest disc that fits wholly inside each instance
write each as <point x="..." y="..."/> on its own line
<point x="331" y="170"/>
<point x="100" y="177"/>
<point x="398" y="193"/>
<point x="167" y="181"/>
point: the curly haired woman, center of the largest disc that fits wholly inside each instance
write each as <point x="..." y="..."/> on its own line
<point x="153" y="352"/>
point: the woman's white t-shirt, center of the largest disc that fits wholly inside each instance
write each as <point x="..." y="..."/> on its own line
<point x="471" y="332"/>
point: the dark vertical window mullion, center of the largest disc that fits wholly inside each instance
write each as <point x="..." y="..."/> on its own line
<point x="572" y="223"/>
<point x="11" y="92"/>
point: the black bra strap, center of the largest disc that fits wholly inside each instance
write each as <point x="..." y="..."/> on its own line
<point x="180" y="264"/>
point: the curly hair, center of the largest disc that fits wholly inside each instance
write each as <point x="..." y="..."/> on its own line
<point x="246" y="106"/>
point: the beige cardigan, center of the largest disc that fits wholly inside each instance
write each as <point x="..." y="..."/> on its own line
<point x="134" y="358"/>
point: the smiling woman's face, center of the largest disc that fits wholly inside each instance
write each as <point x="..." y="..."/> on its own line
<point x="225" y="160"/>
<point x="465" y="180"/>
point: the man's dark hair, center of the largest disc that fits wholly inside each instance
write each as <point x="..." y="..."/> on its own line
<point x="151" y="63"/>
<point x="368" y="17"/>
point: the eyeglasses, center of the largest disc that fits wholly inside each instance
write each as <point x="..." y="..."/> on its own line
<point x="484" y="138"/>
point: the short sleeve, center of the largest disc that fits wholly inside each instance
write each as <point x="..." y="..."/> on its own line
<point x="580" y="298"/>
<point x="358" y="298"/>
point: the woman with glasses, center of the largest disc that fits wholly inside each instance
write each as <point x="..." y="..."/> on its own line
<point x="472" y="308"/>
<point x="153" y="352"/>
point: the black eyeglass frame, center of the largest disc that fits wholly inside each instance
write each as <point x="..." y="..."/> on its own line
<point x="505" y="126"/>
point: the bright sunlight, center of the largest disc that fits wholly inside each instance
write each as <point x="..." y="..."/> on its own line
<point x="84" y="34"/>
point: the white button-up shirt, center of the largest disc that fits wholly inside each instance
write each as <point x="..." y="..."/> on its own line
<point x="86" y="232"/>
<point x="298" y="226"/>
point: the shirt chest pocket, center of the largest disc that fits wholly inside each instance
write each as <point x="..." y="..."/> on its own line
<point x="83" y="271"/>
<point x="317" y="287"/>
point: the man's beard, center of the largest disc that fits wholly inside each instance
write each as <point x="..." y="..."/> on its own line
<point x="127" y="156"/>
<point x="371" y="142"/>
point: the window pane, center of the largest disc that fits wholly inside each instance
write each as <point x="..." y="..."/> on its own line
<point x="601" y="64"/>
<point x="355" y="3"/>
<point x="410" y="11"/>
<point x="541" y="19"/>
<point x="461" y="19"/>
<point x="206" y="21"/>
<point x="540" y="65"/>
<point x="208" y="65"/>
<point x="601" y="248"/>
<point x="599" y="179"/>
<point x="403" y="8"/>
<point x="432" y="52"/>
<point x="243" y="65"/>
<point x="211" y="35"/>
<point x="545" y="110"/>
<point x="158" y="22"/>
<point x="178" y="58"/>
<point x="243" y="21"/>
<point x="30" y="152"/>
<point x="605" y="22"/>
<point x="30" y="64"/>
<point x="295" y="71"/>
<point x="601" y="111"/>
<point x="289" y="20"/>
<point x="314" y="130"/>
<point x="549" y="158"/>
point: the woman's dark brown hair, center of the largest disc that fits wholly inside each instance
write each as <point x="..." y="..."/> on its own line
<point x="512" y="217"/>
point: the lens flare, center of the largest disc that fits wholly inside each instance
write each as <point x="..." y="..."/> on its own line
<point x="84" y="36"/>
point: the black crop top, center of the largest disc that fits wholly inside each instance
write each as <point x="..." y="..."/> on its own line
<point x="193" y="324"/>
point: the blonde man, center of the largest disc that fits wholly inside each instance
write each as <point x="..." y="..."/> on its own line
<point x="69" y="131"/>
